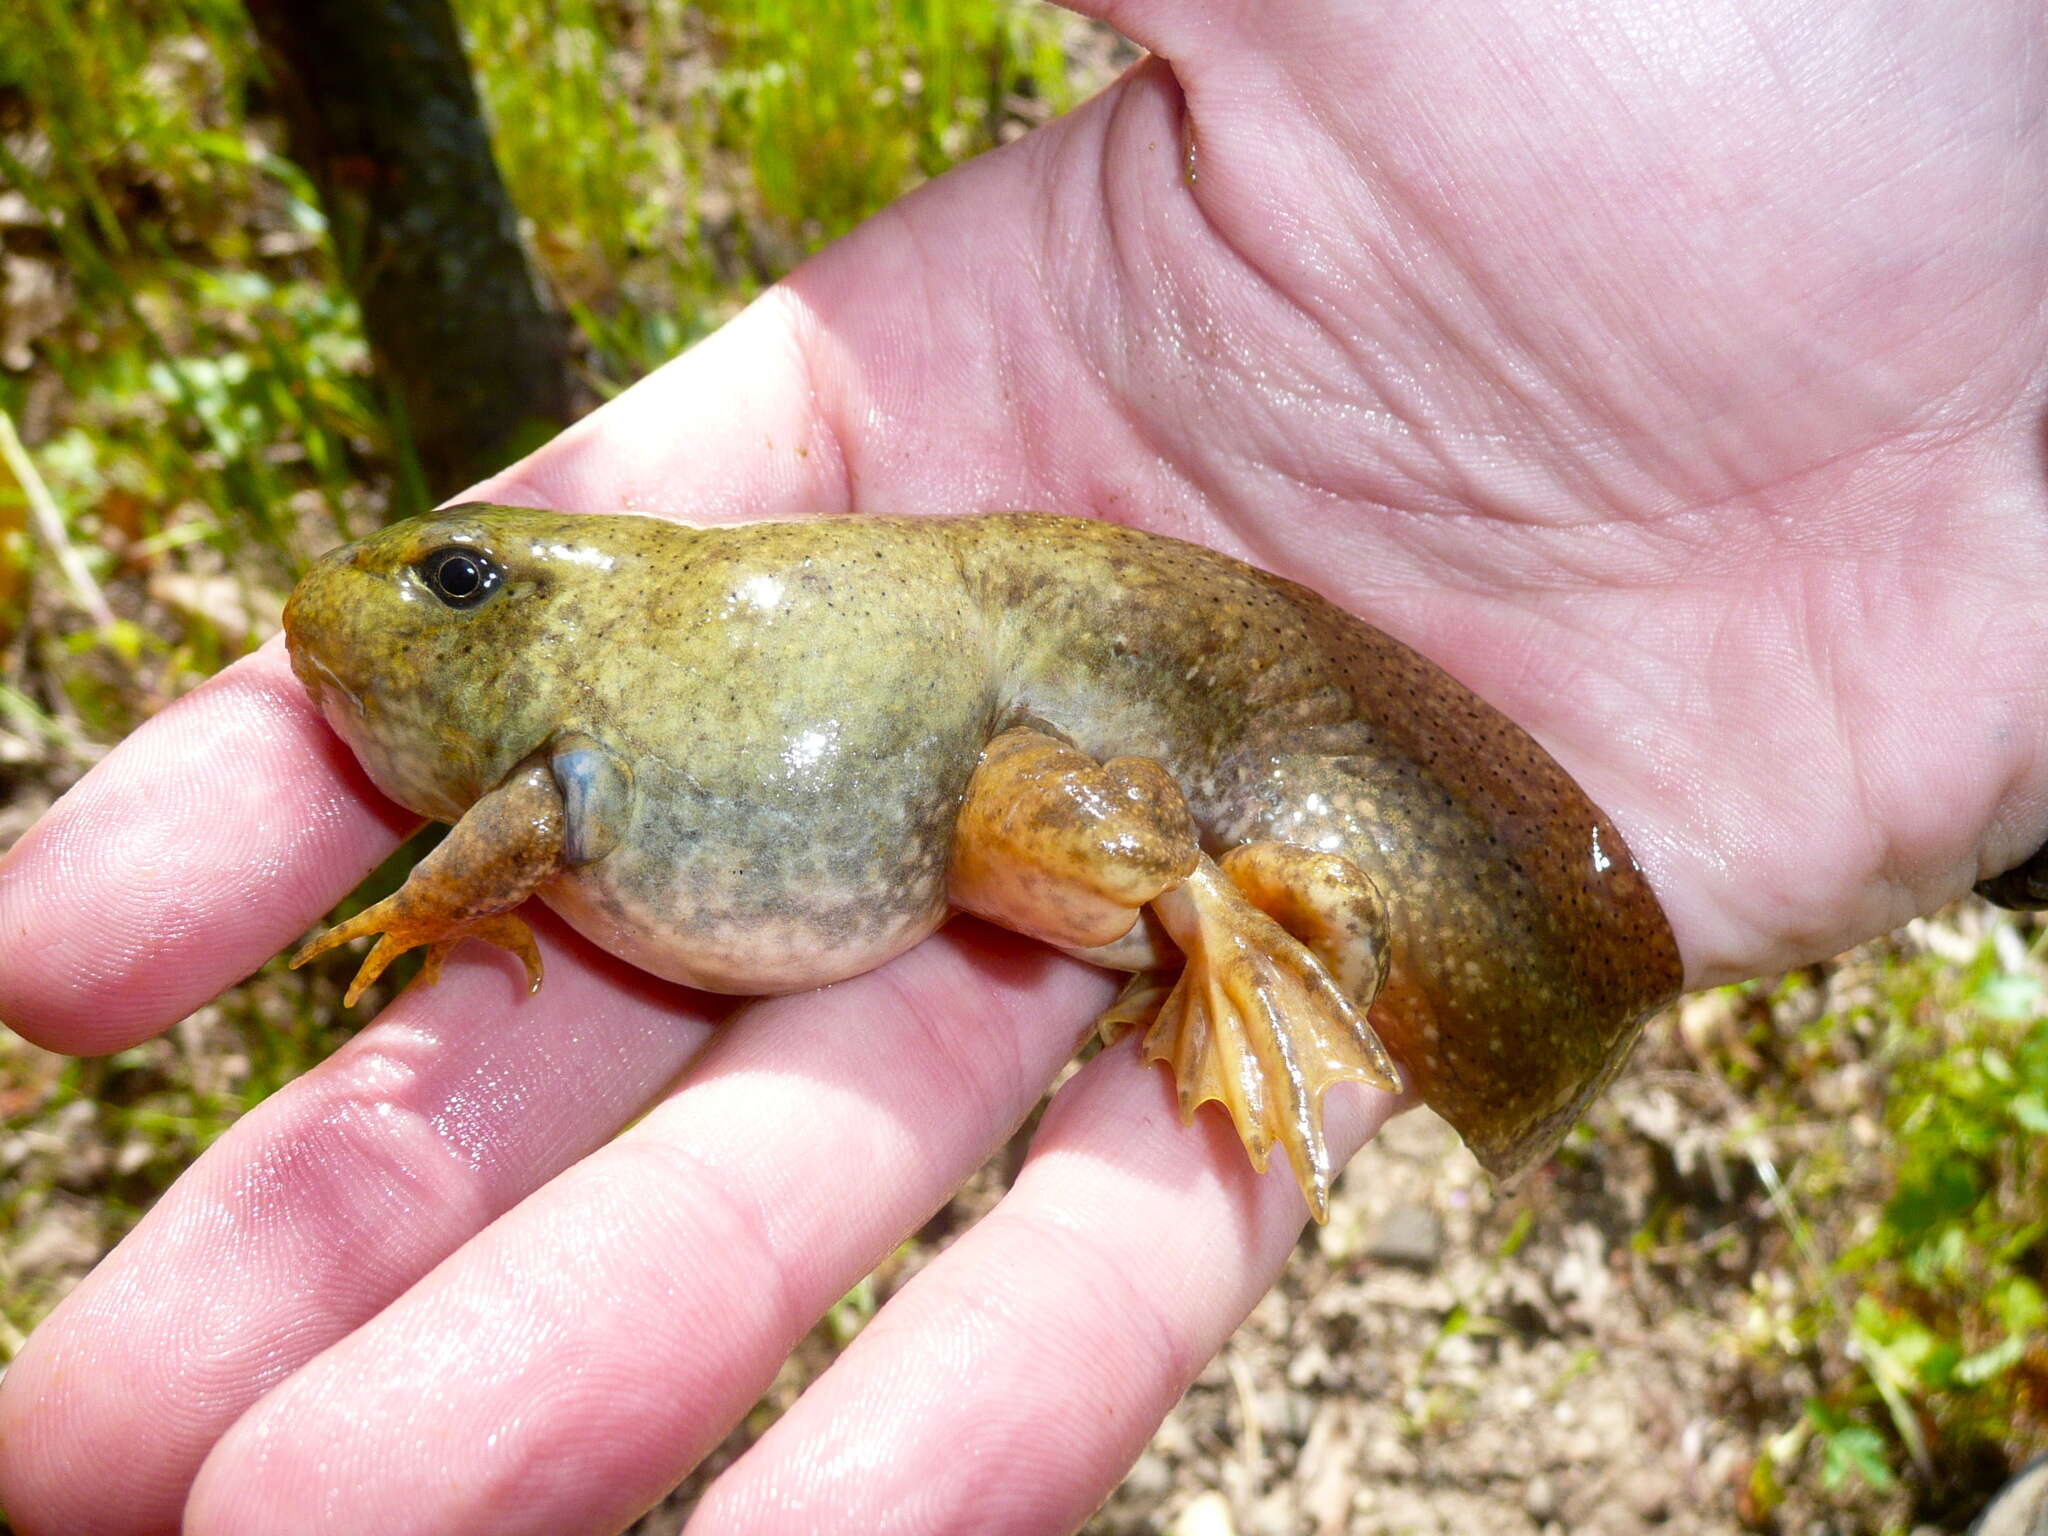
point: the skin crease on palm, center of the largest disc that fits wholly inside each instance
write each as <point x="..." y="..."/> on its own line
<point x="1672" y="374"/>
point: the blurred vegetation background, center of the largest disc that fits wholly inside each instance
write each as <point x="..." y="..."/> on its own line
<point x="1827" y="1193"/>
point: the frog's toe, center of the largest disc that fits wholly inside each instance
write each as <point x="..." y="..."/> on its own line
<point x="500" y="928"/>
<point x="399" y="930"/>
<point x="371" y="920"/>
<point x="1258" y="1024"/>
<point x="507" y="930"/>
<point x="375" y="963"/>
<point x="1136" y="1006"/>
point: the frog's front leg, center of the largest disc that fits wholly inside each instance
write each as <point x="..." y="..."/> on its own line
<point x="1281" y="949"/>
<point x="557" y="808"/>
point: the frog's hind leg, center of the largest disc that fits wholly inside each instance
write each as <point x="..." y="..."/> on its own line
<point x="1280" y="949"/>
<point x="1056" y="845"/>
<point x="1285" y="950"/>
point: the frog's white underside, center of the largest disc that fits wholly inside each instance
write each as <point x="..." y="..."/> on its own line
<point x="762" y="956"/>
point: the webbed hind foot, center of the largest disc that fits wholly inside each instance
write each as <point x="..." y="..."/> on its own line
<point x="1264" y="1019"/>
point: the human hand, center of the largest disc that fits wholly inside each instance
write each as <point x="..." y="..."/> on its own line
<point x="1675" y="380"/>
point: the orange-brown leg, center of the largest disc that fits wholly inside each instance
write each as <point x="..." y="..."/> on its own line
<point x="1267" y="1010"/>
<point x="490" y="861"/>
<point x="1056" y="845"/>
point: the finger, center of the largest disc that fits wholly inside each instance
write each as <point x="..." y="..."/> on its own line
<point x="568" y="1366"/>
<point x="193" y="852"/>
<point x="1011" y="1385"/>
<point x="728" y="430"/>
<point x="314" y="1211"/>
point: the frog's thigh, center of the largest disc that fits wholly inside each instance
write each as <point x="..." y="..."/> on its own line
<point x="1060" y="847"/>
<point x="1285" y="952"/>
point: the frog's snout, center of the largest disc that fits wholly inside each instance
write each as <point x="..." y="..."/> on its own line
<point x="310" y="620"/>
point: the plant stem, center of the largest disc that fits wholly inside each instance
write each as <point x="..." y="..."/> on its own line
<point x="49" y="523"/>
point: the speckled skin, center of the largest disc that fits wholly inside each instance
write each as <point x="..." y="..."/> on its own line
<point x="794" y="710"/>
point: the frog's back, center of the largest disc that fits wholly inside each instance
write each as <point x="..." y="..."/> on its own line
<point x="1526" y="946"/>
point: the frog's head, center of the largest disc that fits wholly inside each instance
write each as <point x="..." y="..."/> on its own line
<point x="440" y="648"/>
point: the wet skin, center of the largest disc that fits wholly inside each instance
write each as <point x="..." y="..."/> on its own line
<point x="762" y="757"/>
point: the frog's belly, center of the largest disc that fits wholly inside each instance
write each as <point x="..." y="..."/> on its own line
<point x="750" y="949"/>
<point x="769" y="894"/>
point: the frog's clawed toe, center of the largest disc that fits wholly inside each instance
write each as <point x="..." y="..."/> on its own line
<point x="1256" y="1023"/>
<point x="399" y="930"/>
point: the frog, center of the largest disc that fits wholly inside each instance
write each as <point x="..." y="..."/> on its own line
<point x="762" y="757"/>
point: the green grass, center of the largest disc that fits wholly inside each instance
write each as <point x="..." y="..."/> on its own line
<point x="1916" y="1208"/>
<point x="211" y="378"/>
<point x="669" y="160"/>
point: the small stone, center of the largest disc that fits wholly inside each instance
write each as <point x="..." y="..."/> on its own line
<point x="75" y="1118"/>
<point x="1276" y="1514"/>
<point x="1172" y="1439"/>
<point x="1284" y="1415"/>
<point x="1540" y="1499"/>
<point x="1410" y="1237"/>
<point x="1207" y="1515"/>
<point x="1311" y="1365"/>
<point x="83" y="1169"/>
<point x="2021" y="1507"/>
<point x="1386" y="1457"/>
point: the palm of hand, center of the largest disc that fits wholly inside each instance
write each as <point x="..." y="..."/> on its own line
<point x="1687" y="415"/>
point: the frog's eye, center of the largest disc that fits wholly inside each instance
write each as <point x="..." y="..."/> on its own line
<point x="461" y="577"/>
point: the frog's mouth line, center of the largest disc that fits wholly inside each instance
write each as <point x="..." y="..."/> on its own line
<point x="319" y="678"/>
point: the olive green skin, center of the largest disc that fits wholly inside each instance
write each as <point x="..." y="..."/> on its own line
<point x="795" y="708"/>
